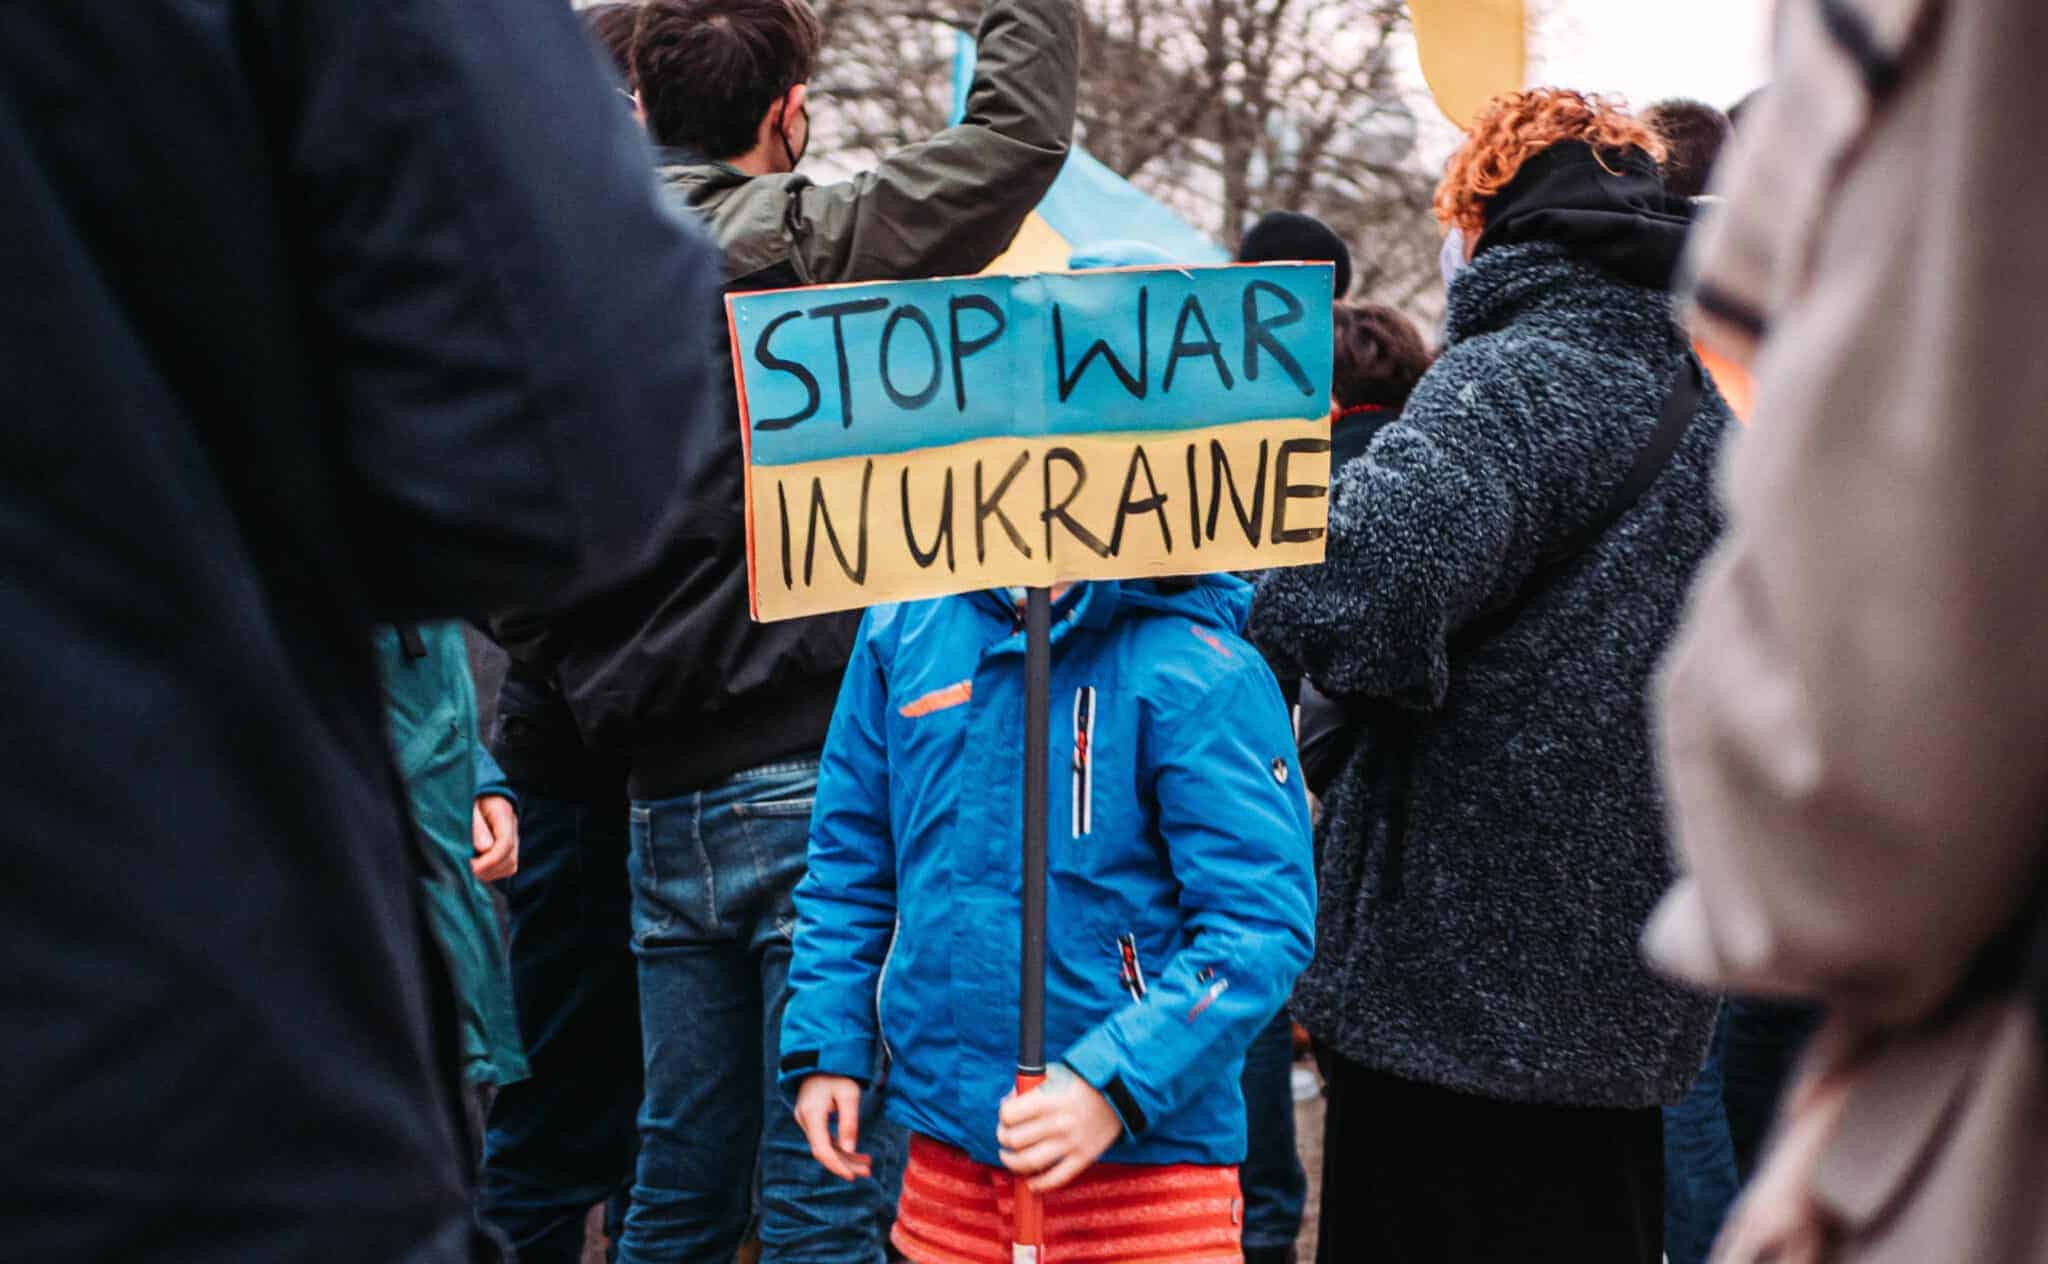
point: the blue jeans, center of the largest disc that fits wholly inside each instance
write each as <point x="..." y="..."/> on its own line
<point x="714" y="874"/>
<point x="1275" y="1187"/>
<point x="563" y="1140"/>
<point x="1765" y="1039"/>
<point x="1699" y="1161"/>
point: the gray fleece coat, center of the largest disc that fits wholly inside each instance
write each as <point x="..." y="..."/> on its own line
<point x="1483" y="894"/>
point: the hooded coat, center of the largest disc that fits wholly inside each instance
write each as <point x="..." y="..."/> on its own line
<point x="1180" y="900"/>
<point x="1490" y="853"/>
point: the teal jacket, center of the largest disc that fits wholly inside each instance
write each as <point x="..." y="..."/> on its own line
<point x="430" y="707"/>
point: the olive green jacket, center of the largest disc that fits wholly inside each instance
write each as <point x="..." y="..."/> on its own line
<point x="945" y="206"/>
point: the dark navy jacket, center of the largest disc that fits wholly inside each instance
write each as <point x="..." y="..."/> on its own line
<point x="311" y="314"/>
<point x="1180" y="903"/>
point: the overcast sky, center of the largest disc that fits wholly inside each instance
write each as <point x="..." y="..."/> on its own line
<point x="1714" y="50"/>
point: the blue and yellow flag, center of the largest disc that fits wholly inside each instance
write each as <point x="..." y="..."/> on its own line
<point x="1088" y="205"/>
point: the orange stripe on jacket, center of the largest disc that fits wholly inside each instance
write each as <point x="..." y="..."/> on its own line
<point x="952" y="695"/>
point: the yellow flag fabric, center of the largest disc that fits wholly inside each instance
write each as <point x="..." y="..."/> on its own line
<point x="1037" y="248"/>
<point x="1472" y="51"/>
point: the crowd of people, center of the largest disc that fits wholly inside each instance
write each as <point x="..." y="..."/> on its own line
<point x="1650" y="865"/>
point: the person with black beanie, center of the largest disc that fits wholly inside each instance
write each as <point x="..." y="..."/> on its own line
<point x="1292" y="237"/>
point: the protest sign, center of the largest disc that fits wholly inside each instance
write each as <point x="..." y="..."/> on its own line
<point x="917" y="438"/>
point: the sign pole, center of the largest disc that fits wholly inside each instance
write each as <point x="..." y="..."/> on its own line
<point x="1029" y="1237"/>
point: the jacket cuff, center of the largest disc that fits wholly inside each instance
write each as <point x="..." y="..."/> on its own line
<point x="854" y="1059"/>
<point x="491" y="779"/>
<point x="1096" y="1061"/>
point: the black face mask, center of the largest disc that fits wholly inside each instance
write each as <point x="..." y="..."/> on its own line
<point x="795" y="155"/>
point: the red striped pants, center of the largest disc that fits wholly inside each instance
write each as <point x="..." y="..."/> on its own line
<point x="957" y="1211"/>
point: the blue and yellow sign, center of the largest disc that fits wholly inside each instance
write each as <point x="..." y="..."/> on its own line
<point x="917" y="438"/>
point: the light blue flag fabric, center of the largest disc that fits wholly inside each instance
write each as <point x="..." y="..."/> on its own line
<point x="1089" y="205"/>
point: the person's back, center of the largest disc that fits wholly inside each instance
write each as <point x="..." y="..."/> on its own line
<point x="1492" y="602"/>
<point x="296" y="337"/>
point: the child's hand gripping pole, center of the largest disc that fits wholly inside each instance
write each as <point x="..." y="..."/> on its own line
<point x="1028" y="1236"/>
<point x="1028" y="1232"/>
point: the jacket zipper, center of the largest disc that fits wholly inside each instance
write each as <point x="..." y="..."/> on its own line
<point x="882" y="990"/>
<point x="1129" y="972"/>
<point x="1084" y="761"/>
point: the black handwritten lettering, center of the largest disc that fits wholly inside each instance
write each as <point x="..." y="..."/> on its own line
<point x="925" y="557"/>
<point x="769" y="360"/>
<point x="1072" y="460"/>
<point x="782" y="501"/>
<point x="1154" y="503"/>
<point x="1137" y="385"/>
<point x="1258" y="333"/>
<point x="837" y="314"/>
<point x="985" y="508"/>
<point x="962" y="349"/>
<point x="925" y="394"/>
<point x="1191" y="308"/>
<point x="857" y="571"/>
<point x="1194" y="501"/>
<point x="1221" y="476"/>
<point x="1284" y="491"/>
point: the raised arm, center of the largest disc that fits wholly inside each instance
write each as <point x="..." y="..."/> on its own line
<point x="949" y="205"/>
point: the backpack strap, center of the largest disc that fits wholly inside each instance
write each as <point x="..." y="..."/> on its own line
<point x="410" y="640"/>
<point x="1680" y="403"/>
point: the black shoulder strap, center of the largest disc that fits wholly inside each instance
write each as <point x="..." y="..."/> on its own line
<point x="1680" y="403"/>
<point x="1330" y="731"/>
<point x="410" y="640"/>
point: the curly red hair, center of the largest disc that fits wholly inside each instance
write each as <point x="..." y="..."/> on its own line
<point x="1515" y="127"/>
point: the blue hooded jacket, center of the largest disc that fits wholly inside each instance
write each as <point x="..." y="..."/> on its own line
<point x="1180" y="898"/>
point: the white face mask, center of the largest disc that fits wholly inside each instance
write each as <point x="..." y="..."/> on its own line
<point x="1452" y="260"/>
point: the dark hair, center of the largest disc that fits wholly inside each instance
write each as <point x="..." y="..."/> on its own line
<point x="1693" y="133"/>
<point x="708" y="70"/>
<point x="611" y="25"/>
<point x="1379" y="355"/>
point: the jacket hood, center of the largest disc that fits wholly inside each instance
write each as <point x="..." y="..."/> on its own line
<point x="1218" y="601"/>
<point x="1222" y="601"/>
<point x="1607" y="209"/>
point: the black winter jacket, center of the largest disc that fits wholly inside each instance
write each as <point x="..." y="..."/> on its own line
<point x="315" y="314"/>
<point x="1482" y="898"/>
<point x="675" y="675"/>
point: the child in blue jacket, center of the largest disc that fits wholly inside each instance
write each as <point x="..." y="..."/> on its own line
<point x="1180" y="903"/>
